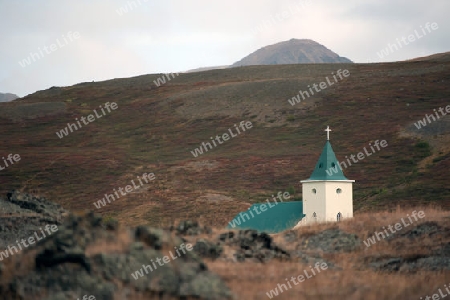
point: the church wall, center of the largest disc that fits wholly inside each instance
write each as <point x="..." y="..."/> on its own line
<point x="314" y="202"/>
<point x="339" y="202"/>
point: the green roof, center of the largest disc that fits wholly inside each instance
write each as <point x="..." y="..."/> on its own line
<point x="277" y="217"/>
<point x="327" y="162"/>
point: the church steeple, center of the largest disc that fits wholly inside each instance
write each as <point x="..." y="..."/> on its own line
<point x="327" y="167"/>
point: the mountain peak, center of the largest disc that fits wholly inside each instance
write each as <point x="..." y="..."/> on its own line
<point x="293" y="51"/>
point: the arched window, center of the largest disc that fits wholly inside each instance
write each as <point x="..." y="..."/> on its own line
<point x="315" y="216"/>
<point x="338" y="191"/>
<point x="314" y="191"/>
<point x="320" y="165"/>
<point x="339" y="216"/>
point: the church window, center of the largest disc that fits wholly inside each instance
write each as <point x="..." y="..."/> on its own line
<point x="338" y="191"/>
<point x="314" y="191"/>
<point x="339" y="215"/>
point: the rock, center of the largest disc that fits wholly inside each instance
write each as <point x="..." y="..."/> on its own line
<point x="251" y="245"/>
<point x="151" y="236"/>
<point x="207" y="249"/>
<point x="48" y="259"/>
<point x="431" y="263"/>
<point x="83" y="257"/>
<point x="34" y="204"/>
<point x="332" y="241"/>
<point x="411" y="264"/>
<point x="388" y="264"/>
<point x="22" y="215"/>
<point x="190" y="228"/>
<point x="427" y="228"/>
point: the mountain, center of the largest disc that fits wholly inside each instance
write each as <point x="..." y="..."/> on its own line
<point x="207" y="69"/>
<point x="155" y="130"/>
<point x="7" y="97"/>
<point x="294" y="51"/>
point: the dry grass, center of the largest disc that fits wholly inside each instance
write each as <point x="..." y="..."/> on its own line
<point x="253" y="281"/>
<point x="352" y="279"/>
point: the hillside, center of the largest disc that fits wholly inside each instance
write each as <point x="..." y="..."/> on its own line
<point x="7" y="97"/>
<point x="293" y="51"/>
<point x="154" y="130"/>
<point x="438" y="57"/>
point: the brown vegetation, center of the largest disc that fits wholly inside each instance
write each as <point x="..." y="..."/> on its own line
<point x="352" y="277"/>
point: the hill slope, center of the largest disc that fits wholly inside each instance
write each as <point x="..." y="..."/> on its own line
<point x="155" y="130"/>
<point x="293" y="51"/>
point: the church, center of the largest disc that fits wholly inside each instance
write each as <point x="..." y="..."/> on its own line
<point x="327" y="197"/>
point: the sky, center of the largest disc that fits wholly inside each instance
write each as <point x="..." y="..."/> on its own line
<point x="49" y="43"/>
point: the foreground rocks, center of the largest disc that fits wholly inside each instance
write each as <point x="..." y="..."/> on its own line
<point x="85" y="257"/>
<point x="437" y="258"/>
<point x="233" y="245"/>
<point x="320" y="247"/>
<point x="88" y="256"/>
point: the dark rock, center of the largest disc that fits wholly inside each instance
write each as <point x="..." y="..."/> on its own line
<point x="24" y="214"/>
<point x="207" y="249"/>
<point x="252" y="245"/>
<point x="431" y="263"/>
<point x="427" y="228"/>
<point x="76" y="260"/>
<point x="389" y="264"/>
<point x="226" y="236"/>
<point x="332" y="241"/>
<point x="153" y="237"/>
<point x="48" y="259"/>
<point x="32" y="203"/>
<point x="190" y="228"/>
<point x="443" y="251"/>
<point x="411" y="264"/>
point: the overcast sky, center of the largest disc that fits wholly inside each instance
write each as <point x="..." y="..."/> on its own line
<point x="78" y="41"/>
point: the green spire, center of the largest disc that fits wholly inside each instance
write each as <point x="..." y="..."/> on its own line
<point x="327" y="168"/>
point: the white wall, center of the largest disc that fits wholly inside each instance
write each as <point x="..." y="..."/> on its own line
<point x="326" y="202"/>
<point x="342" y="202"/>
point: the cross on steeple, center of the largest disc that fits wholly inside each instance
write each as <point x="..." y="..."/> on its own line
<point x="328" y="132"/>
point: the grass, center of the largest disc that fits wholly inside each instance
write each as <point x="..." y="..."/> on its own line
<point x="352" y="277"/>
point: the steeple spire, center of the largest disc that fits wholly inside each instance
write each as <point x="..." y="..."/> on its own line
<point x="328" y="168"/>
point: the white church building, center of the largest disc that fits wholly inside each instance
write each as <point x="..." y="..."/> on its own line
<point x="327" y="197"/>
<point x="327" y="194"/>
